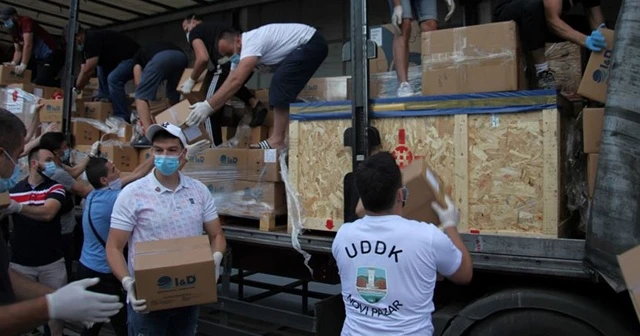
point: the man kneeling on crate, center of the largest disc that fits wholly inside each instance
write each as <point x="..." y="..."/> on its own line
<point x="163" y="205"/>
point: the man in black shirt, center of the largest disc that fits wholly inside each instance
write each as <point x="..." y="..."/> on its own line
<point x="202" y="37"/>
<point x="111" y="52"/>
<point x="152" y="64"/>
<point x="541" y="21"/>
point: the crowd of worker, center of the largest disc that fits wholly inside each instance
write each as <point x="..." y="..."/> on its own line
<point x="156" y="201"/>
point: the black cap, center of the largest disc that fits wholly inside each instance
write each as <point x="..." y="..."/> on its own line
<point x="7" y="12"/>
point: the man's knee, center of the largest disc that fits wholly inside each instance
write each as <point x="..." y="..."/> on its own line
<point x="405" y="28"/>
<point x="428" y="25"/>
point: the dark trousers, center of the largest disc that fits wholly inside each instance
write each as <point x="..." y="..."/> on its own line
<point x="47" y="69"/>
<point x="69" y="253"/>
<point x="108" y="284"/>
<point x="532" y="24"/>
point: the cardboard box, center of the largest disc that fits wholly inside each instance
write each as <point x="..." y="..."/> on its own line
<point x="480" y="58"/>
<point x="97" y="110"/>
<point x="125" y="158"/>
<point x="27" y="87"/>
<point x="263" y="165"/>
<point x="222" y="163"/>
<point x="4" y="200"/>
<point x="424" y="187"/>
<point x="628" y="262"/>
<point x="18" y="102"/>
<point x="596" y="76"/>
<point x="199" y="91"/>
<point x="47" y="92"/>
<point x="8" y="76"/>
<point x="592" y="170"/>
<point x="124" y="134"/>
<point x="177" y="115"/>
<point x="93" y="84"/>
<point x="565" y="59"/>
<point x="592" y="120"/>
<point x="260" y="197"/>
<point x="325" y="89"/>
<point x="175" y="273"/>
<point x="84" y="134"/>
<point x="143" y="155"/>
<point x="52" y="110"/>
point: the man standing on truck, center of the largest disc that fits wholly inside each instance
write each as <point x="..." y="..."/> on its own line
<point x="163" y="205"/>
<point x="292" y="51"/>
<point x="202" y="39"/>
<point x="541" y="21"/>
<point x="30" y="40"/>
<point x="388" y="264"/>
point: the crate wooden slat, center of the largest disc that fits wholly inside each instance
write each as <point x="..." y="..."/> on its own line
<point x="501" y="169"/>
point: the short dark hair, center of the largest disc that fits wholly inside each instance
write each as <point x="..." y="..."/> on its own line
<point x="164" y="135"/>
<point x="96" y="169"/>
<point x="228" y="34"/>
<point x="378" y="178"/>
<point x="33" y="153"/>
<point x="12" y="131"/>
<point x="193" y="16"/>
<point x="52" y="140"/>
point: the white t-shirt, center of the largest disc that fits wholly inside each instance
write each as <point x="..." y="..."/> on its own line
<point x="150" y="211"/>
<point x="388" y="267"/>
<point x="273" y="42"/>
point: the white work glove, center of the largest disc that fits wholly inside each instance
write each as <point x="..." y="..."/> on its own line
<point x="450" y="216"/>
<point x="12" y="63"/>
<point x="198" y="147"/>
<point x="19" y="69"/>
<point x="128" y="285"/>
<point x="396" y="17"/>
<point x="452" y="8"/>
<point x="95" y="148"/>
<point x="217" y="259"/>
<point x="74" y="302"/>
<point x="187" y="85"/>
<point x="199" y="113"/>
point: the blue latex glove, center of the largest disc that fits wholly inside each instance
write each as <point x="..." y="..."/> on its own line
<point x="595" y="41"/>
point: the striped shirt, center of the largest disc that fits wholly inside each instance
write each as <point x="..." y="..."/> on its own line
<point x="33" y="242"/>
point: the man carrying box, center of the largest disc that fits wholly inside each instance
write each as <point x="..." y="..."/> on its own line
<point x="153" y="63"/>
<point x="163" y="205"/>
<point x="377" y="256"/>
<point x="292" y="51"/>
<point x="541" y="21"/>
<point x="31" y="40"/>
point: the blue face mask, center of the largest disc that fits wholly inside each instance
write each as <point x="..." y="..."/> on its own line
<point x="66" y="155"/>
<point x="166" y="165"/>
<point x="234" y="59"/>
<point x="49" y="169"/>
<point x="8" y="23"/>
<point x="8" y="183"/>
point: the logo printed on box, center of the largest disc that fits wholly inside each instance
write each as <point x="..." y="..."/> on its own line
<point x="196" y="159"/>
<point x="166" y="282"/>
<point x="228" y="160"/>
<point x="216" y="189"/>
<point x="601" y="74"/>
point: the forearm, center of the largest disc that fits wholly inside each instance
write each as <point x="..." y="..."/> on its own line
<point x="141" y="171"/>
<point x="199" y="66"/>
<point x="22" y="317"/>
<point x="454" y="235"/>
<point x="39" y="213"/>
<point x="226" y="91"/>
<point x="26" y="53"/>
<point x="83" y="77"/>
<point x="30" y="145"/>
<point x="116" y="261"/>
<point x="219" y="243"/>
<point x="78" y="169"/>
<point x="563" y="30"/>
<point x="25" y="288"/>
<point x="17" y="57"/>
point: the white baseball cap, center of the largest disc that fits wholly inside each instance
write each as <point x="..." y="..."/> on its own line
<point x="171" y="128"/>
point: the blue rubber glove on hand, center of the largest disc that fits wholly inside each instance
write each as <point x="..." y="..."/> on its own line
<point x="595" y="41"/>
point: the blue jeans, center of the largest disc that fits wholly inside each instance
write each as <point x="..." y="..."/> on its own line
<point x="169" y="322"/>
<point x="112" y="86"/>
<point x="166" y="65"/>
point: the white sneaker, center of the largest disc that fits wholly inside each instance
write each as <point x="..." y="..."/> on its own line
<point x="405" y="90"/>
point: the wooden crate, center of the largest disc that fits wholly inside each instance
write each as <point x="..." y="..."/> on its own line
<point x="497" y="153"/>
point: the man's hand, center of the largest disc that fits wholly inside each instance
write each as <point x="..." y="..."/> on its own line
<point x="14" y="207"/>
<point x="595" y="41"/>
<point x="217" y="259"/>
<point x="396" y="17"/>
<point x="19" y="69"/>
<point x="187" y="85"/>
<point x="198" y="147"/>
<point x="12" y="63"/>
<point x="74" y="302"/>
<point x="450" y="216"/>
<point x="199" y="113"/>
<point x="129" y="285"/>
<point x="452" y="8"/>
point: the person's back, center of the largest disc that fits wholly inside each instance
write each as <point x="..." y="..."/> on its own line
<point x="388" y="268"/>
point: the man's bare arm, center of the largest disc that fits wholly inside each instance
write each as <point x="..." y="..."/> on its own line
<point x="216" y="236"/>
<point x="115" y="257"/>
<point x="44" y="213"/>
<point x="17" y="54"/>
<point x="22" y="317"/>
<point x="202" y="59"/>
<point x="552" y="11"/>
<point x="25" y="288"/>
<point x="86" y="71"/>
<point x="27" y="48"/>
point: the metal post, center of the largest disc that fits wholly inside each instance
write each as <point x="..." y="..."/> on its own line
<point x="68" y="70"/>
<point x="360" y="79"/>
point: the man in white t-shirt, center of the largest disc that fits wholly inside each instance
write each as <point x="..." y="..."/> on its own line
<point x="388" y="264"/>
<point x="162" y="205"/>
<point x="291" y="51"/>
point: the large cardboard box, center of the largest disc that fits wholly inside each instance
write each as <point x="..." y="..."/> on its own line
<point x="199" y="91"/>
<point x="596" y="76"/>
<point x="175" y="273"/>
<point x="84" y="134"/>
<point x="8" y="76"/>
<point x="424" y="187"/>
<point x="251" y="199"/>
<point x="48" y="92"/>
<point x="143" y="155"/>
<point x="481" y="58"/>
<point x="125" y="158"/>
<point x="263" y="165"/>
<point x="592" y="120"/>
<point x="177" y="115"/>
<point x="97" y="110"/>
<point x="52" y="110"/>
<point x="220" y="163"/>
<point x="630" y="269"/>
<point x="592" y="171"/>
<point x="325" y="89"/>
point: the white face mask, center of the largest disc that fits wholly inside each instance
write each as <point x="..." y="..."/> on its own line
<point x="115" y="184"/>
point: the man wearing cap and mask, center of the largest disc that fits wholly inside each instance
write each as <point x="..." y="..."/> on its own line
<point x="163" y="205"/>
<point x="30" y="40"/>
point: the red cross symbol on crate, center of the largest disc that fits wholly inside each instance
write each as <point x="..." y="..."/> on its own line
<point x="402" y="153"/>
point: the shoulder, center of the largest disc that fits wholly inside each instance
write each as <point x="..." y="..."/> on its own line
<point x="133" y="188"/>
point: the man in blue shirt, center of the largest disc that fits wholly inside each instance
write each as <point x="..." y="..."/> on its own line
<point x="96" y="219"/>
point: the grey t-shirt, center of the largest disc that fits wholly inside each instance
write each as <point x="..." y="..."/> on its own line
<point x="67" y="220"/>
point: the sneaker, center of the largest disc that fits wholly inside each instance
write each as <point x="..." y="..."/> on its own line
<point x="405" y="90"/>
<point x="141" y="141"/>
<point x="546" y="80"/>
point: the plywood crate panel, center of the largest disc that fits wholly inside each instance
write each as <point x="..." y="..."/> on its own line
<point x="501" y="169"/>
